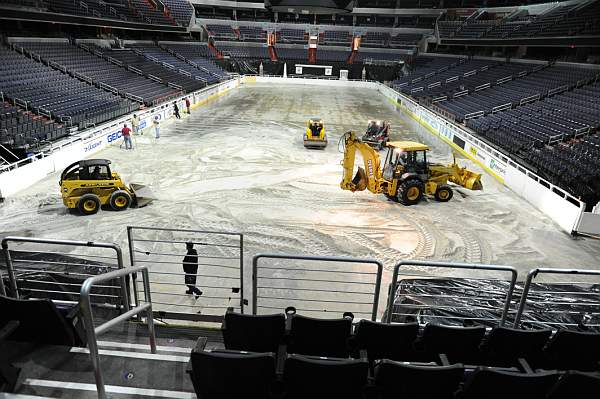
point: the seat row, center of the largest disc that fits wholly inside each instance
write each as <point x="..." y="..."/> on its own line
<point x="443" y="345"/>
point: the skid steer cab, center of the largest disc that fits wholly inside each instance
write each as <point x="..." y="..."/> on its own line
<point x="315" y="136"/>
<point x="377" y="134"/>
<point x="88" y="184"/>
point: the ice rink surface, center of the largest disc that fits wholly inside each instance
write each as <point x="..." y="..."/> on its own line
<point x="238" y="164"/>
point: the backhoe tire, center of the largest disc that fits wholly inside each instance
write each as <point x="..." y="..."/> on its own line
<point x="120" y="200"/>
<point x="88" y="204"/>
<point x="410" y="192"/>
<point x="391" y="197"/>
<point x="444" y="193"/>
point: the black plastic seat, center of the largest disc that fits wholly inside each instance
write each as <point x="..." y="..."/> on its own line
<point x="575" y="384"/>
<point x="232" y="374"/>
<point x="320" y="337"/>
<point x="399" y="380"/>
<point x="498" y="384"/>
<point x="253" y="333"/>
<point x="324" y="378"/>
<point x="506" y="345"/>
<point x="386" y="341"/>
<point x="39" y="322"/>
<point x="573" y="350"/>
<point x="459" y="344"/>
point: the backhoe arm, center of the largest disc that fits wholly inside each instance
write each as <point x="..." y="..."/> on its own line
<point x="370" y="179"/>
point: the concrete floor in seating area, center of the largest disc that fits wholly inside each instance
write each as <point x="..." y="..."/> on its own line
<point x="238" y="164"/>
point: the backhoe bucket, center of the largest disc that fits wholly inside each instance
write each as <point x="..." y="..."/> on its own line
<point x="469" y="179"/>
<point x="142" y="195"/>
<point x="360" y="180"/>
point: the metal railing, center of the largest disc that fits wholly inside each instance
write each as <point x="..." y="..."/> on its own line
<point x="220" y="273"/>
<point x="318" y="289"/>
<point x="88" y="317"/>
<point x="584" y="302"/>
<point x="57" y="274"/>
<point x="497" y="295"/>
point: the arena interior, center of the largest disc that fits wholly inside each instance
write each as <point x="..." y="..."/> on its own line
<point x="298" y="198"/>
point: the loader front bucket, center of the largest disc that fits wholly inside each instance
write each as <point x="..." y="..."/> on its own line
<point x="360" y="180"/>
<point x="142" y="195"/>
<point x="468" y="179"/>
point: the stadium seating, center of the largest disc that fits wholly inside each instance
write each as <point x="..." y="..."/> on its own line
<point x="319" y="337"/>
<point x="323" y="378"/>
<point x="336" y="37"/>
<point x="155" y="70"/>
<point x="458" y="344"/>
<point x="291" y="36"/>
<point x="405" y="39"/>
<point x="158" y="54"/>
<point x="100" y="71"/>
<point x="221" y="32"/>
<point x="252" y="34"/>
<point x="375" y="39"/>
<point x="44" y="90"/>
<point x="198" y="54"/>
<point x="401" y="380"/>
<point x="573" y="350"/>
<point x="20" y="129"/>
<point x="58" y="329"/>
<point x="245" y="52"/>
<point x="505" y="346"/>
<point x="285" y="53"/>
<point x="574" y="384"/>
<point x="499" y="384"/>
<point x="253" y="333"/>
<point x="386" y="341"/>
<point x="180" y="10"/>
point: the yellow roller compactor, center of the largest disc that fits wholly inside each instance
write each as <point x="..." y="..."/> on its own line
<point x="315" y="136"/>
<point x="88" y="184"/>
<point x="406" y="175"/>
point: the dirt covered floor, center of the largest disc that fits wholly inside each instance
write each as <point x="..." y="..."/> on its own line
<point x="238" y="164"/>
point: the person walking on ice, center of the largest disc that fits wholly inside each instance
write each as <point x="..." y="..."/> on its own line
<point x="156" y="124"/>
<point x="126" y="132"/>
<point x="176" y="110"/>
<point x="190" y="267"/>
<point x="187" y="105"/>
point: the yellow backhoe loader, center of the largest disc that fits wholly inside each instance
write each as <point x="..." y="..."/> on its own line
<point x="406" y="174"/>
<point x="88" y="184"/>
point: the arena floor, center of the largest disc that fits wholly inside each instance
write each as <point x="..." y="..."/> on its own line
<point x="238" y="164"/>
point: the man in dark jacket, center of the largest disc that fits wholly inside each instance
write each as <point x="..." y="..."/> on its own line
<point x="190" y="267"/>
<point x="176" y="110"/>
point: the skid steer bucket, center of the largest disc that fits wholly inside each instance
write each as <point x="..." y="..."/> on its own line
<point x="142" y="195"/>
<point x="360" y="180"/>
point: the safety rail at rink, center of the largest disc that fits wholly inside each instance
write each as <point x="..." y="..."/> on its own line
<point x="26" y="172"/>
<point x="564" y="209"/>
<point x="319" y="286"/>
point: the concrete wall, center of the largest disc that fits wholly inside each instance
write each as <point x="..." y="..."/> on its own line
<point x="19" y="176"/>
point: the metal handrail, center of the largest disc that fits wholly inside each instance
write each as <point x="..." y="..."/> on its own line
<point x="88" y="319"/>
<point x="534" y="273"/>
<point x="256" y="258"/>
<point x="11" y="272"/>
<point x="449" y="265"/>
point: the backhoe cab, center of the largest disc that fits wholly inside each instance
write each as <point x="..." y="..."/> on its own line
<point x="315" y="136"/>
<point x="406" y="176"/>
<point x="88" y="184"/>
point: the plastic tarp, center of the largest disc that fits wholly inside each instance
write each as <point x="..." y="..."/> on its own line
<point x="465" y="301"/>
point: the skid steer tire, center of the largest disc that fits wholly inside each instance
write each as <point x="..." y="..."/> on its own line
<point x="88" y="204"/>
<point x="410" y="192"/>
<point x="120" y="200"/>
<point x="444" y="193"/>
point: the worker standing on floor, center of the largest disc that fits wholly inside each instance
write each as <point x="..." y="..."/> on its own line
<point x="135" y="123"/>
<point x="187" y="105"/>
<point x="156" y="124"/>
<point x="126" y="132"/>
<point x="190" y="267"/>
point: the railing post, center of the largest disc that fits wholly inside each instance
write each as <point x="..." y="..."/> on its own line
<point x="9" y="269"/>
<point x="242" y="273"/>
<point x="149" y="312"/>
<point x="136" y="297"/>
<point x="88" y="321"/>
